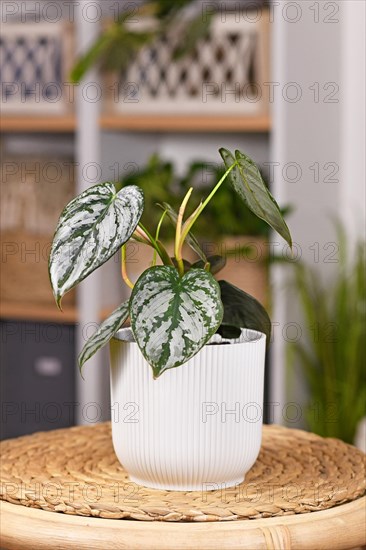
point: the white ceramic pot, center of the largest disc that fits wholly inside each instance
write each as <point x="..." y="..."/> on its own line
<point x="197" y="427"/>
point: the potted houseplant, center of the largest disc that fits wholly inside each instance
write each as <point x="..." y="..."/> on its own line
<point x="196" y="418"/>
<point x="228" y="229"/>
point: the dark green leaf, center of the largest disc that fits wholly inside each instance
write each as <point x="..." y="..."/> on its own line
<point x="249" y="185"/>
<point x="217" y="263"/>
<point x="229" y="332"/>
<point x="242" y="311"/>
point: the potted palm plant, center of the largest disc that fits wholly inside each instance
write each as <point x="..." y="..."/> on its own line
<point x="195" y="416"/>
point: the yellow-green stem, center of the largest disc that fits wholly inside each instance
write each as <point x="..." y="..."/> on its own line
<point x="157" y="234"/>
<point x="178" y="248"/>
<point x="144" y="235"/>
<point x="123" y="267"/>
<point x="188" y="225"/>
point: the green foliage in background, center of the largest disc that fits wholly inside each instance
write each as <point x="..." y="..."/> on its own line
<point x="158" y="181"/>
<point x="225" y="216"/>
<point x="121" y="41"/>
<point x="333" y="360"/>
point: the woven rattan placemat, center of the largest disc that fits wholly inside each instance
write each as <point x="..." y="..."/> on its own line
<point x="75" y="471"/>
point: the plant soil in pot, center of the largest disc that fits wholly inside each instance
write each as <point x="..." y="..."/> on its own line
<point x="193" y="375"/>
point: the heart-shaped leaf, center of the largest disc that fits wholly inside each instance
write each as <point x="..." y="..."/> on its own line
<point x="172" y="317"/>
<point x="249" y="185"/>
<point x="104" y="333"/>
<point x="242" y="311"/>
<point x="91" y="229"/>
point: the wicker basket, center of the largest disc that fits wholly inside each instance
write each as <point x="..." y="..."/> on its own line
<point x="31" y="201"/>
<point x="24" y="269"/>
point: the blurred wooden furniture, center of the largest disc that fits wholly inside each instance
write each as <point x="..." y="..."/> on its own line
<point x="139" y="123"/>
<point x="75" y="471"/>
<point x="340" y="528"/>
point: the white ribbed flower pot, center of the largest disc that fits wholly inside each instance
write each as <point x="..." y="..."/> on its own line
<point x="198" y="426"/>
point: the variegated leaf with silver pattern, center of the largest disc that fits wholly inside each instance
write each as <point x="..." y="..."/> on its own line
<point x="172" y="317"/>
<point x="104" y="333"/>
<point x="91" y="229"/>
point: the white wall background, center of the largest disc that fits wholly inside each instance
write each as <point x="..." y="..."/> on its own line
<point x="352" y="138"/>
<point x="319" y="145"/>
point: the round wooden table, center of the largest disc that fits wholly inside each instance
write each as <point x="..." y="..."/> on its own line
<point x="65" y="489"/>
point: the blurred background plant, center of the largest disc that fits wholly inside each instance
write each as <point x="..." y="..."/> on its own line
<point x="161" y="183"/>
<point x="119" y="42"/>
<point x="333" y="358"/>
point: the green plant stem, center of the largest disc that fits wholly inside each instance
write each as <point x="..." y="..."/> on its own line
<point x="124" y="269"/>
<point x="158" y="246"/>
<point x="148" y="235"/>
<point x="192" y="219"/>
<point x="178" y="232"/>
<point x="158" y="233"/>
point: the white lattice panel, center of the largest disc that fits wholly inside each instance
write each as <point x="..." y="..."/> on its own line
<point x="34" y="61"/>
<point x="223" y="75"/>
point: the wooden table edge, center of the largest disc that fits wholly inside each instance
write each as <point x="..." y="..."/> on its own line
<point x="28" y="528"/>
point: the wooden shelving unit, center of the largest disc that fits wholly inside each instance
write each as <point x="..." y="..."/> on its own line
<point x="37" y="312"/>
<point x="88" y="127"/>
<point x="37" y="124"/>
<point x="139" y="123"/>
<point x="189" y="123"/>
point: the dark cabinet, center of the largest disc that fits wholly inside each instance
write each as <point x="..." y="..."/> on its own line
<point x="37" y="377"/>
